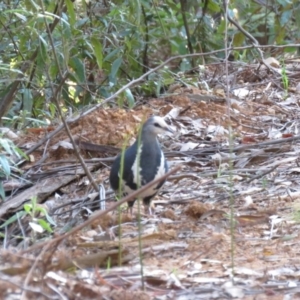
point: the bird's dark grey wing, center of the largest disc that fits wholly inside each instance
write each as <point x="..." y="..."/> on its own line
<point x="114" y="173"/>
<point x="150" y="163"/>
<point x="129" y="157"/>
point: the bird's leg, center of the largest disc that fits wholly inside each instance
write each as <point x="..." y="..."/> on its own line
<point x="147" y="210"/>
<point x="130" y="207"/>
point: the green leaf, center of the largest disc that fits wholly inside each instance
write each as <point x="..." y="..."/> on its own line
<point x="297" y="15"/>
<point x="71" y="11"/>
<point x="6" y="67"/>
<point x="103" y="92"/>
<point x="53" y="16"/>
<point x="78" y="67"/>
<point x="13" y="218"/>
<point x="129" y="97"/>
<point x="27" y="100"/>
<point x="18" y="152"/>
<point x="45" y="213"/>
<point x="20" y="16"/>
<point x="50" y="220"/>
<point x="35" y="5"/>
<point x="290" y="49"/>
<point x="2" y="192"/>
<point x="42" y="54"/>
<point x="158" y="84"/>
<point x="27" y="208"/>
<point x="82" y="22"/>
<point x="45" y="225"/>
<point x="284" y="3"/>
<point x="184" y="66"/>
<point x="135" y="10"/>
<point x="4" y="164"/>
<point x="120" y="102"/>
<point x="213" y="6"/>
<point x="238" y="39"/>
<point x="221" y="28"/>
<point x="7" y="147"/>
<point x="115" y="67"/>
<point x="111" y="54"/>
<point x="52" y="109"/>
<point x="286" y="17"/>
<point x="97" y="48"/>
<point x="33" y="200"/>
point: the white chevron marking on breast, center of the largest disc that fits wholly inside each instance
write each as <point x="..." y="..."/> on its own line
<point x="136" y="167"/>
<point x="138" y="177"/>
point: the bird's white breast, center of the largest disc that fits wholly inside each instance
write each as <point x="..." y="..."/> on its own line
<point x="138" y="178"/>
<point x="136" y="167"/>
<point x="161" y="168"/>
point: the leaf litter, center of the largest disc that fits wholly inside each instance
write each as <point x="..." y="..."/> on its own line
<point x="186" y="247"/>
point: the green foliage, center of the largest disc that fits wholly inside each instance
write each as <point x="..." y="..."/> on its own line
<point x="270" y="24"/>
<point x="40" y="220"/>
<point x="23" y="119"/>
<point x="285" y="79"/>
<point x="38" y="224"/>
<point x="101" y="48"/>
<point x="8" y="151"/>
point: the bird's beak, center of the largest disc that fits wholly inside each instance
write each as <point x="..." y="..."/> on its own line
<point x="170" y="129"/>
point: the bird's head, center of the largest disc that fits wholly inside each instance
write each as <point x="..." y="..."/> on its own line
<point x="156" y="125"/>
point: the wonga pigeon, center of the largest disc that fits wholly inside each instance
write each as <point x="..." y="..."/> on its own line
<point x="146" y="155"/>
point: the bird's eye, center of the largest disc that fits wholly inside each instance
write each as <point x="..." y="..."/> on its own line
<point x="156" y="125"/>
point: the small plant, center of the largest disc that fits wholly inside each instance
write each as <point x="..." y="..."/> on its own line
<point x="4" y="172"/>
<point x="285" y="80"/>
<point x="264" y="182"/>
<point x="37" y="223"/>
<point x="9" y="151"/>
<point x="36" y="213"/>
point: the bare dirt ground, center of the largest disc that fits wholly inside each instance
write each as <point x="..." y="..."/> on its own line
<point x="225" y="226"/>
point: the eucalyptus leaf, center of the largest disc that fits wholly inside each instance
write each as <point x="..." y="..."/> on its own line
<point x="4" y="143"/>
<point x="115" y="67"/>
<point x="130" y="98"/>
<point x="4" y="165"/>
<point x="27" y="100"/>
<point x="50" y="220"/>
<point x="2" y="192"/>
<point x="214" y="6"/>
<point x="111" y="54"/>
<point x="78" y="67"/>
<point x="20" y="16"/>
<point x="72" y="15"/>
<point x="97" y="48"/>
<point x="286" y="17"/>
<point x="13" y="218"/>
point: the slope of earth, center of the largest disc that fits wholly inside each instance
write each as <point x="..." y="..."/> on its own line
<point x="225" y="226"/>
